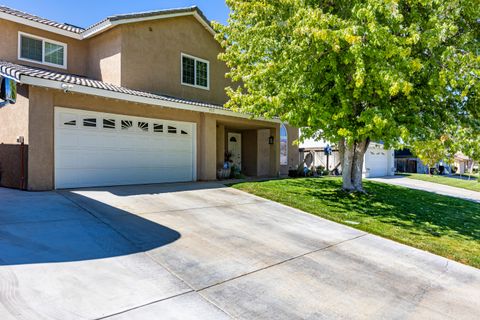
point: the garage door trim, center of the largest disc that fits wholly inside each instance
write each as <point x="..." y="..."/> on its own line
<point x="153" y="131"/>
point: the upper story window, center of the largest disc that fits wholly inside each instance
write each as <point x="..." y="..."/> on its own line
<point x="40" y="50"/>
<point x="195" y="72"/>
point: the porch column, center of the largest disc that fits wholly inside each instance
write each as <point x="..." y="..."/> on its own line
<point x="275" y="152"/>
<point x="208" y="147"/>
<point x="41" y="135"/>
<point x="220" y="145"/>
<point x="251" y="155"/>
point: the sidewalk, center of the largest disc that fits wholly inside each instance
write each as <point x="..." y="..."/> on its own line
<point x="431" y="187"/>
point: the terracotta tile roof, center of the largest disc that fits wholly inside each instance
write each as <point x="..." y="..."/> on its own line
<point x="139" y="15"/>
<point x="119" y="17"/>
<point x="16" y="71"/>
<point x="21" y="14"/>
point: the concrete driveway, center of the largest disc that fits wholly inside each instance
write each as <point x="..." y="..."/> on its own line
<point x="204" y="251"/>
<point x="431" y="187"/>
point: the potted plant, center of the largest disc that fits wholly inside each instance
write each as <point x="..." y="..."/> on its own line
<point x="226" y="171"/>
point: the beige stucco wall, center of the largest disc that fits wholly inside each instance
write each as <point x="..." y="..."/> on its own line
<point x="42" y="102"/>
<point x="259" y="158"/>
<point x="105" y="57"/>
<point x="293" y="153"/>
<point x="207" y="131"/>
<point x="264" y="153"/>
<point x="249" y="152"/>
<point x="275" y="152"/>
<point x="76" y="49"/>
<point x="220" y="145"/>
<point x="41" y="129"/>
<point x="151" y="58"/>
<point x="144" y="56"/>
<point x="14" y="118"/>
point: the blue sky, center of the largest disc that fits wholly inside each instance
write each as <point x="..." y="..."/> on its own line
<point x="84" y="13"/>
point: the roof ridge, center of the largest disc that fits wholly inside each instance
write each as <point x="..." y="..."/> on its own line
<point x="147" y="13"/>
<point x="33" y="17"/>
<point x="118" y="17"/>
<point x="151" y="11"/>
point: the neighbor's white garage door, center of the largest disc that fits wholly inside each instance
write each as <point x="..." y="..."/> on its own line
<point x="100" y="149"/>
<point x="376" y="162"/>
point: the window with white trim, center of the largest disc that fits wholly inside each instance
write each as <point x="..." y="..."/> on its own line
<point x="195" y="72"/>
<point x="40" y="50"/>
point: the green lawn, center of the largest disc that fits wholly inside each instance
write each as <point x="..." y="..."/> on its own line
<point x="443" y="225"/>
<point x="473" y="184"/>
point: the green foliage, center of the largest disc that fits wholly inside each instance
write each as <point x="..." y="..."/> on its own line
<point x="378" y="69"/>
<point x="433" y="151"/>
<point x="322" y="171"/>
<point x="468" y="142"/>
<point x="443" y="225"/>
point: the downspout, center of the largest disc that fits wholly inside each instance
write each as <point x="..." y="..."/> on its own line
<point x="22" y="163"/>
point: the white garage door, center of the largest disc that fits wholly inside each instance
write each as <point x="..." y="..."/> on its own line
<point x="376" y="162"/>
<point x="101" y="149"/>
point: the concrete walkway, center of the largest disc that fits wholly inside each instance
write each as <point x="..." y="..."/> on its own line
<point x="431" y="187"/>
<point x="204" y="251"/>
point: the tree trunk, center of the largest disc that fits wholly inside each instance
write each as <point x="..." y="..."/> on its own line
<point x="347" y="166"/>
<point x="357" y="172"/>
<point x="471" y="171"/>
<point x="352" y="157"/>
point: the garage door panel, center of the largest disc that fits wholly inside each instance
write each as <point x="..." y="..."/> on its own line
<point x="118" y="176"/>
<point x="69" y="160"/>
<point x="171" y="174"/>
<point x="108" y="139"/>
<point x="89" y="139"/>
<point x="102" y="159"/>
<point x="98" y="156"/>
<point x="376" y="162"/>
<point x="66" y="178"/>
<point x="67" y="139"/>
<point x="169" y="161"/>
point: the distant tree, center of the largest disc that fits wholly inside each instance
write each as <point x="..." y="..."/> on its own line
<point x="356" y="71"/>
<point x="433" y="151"/>
<point x="468" y="143"/>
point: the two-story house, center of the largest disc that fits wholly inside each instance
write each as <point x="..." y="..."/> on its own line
<point x="134" y="99"/>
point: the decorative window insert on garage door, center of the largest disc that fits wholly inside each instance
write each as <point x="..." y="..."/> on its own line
<point x="103" y="149"/>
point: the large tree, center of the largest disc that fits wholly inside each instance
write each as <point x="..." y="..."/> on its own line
<point x="467" y="141"/>
<point x="354" y="71"/>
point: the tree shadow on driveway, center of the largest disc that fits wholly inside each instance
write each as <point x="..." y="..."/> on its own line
<point x="47" y="227"/>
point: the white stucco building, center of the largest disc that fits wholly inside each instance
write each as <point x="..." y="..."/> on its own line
<point x="379" y="162"/>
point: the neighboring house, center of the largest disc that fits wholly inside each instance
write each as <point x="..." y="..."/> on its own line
<point x="406" y="162"/>
<point x="462" y="163"/>
<point x="378" y="162"/>
<point x="133" y="99"/>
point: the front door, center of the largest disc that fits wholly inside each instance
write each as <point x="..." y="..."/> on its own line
<point x="235" y="148"/>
